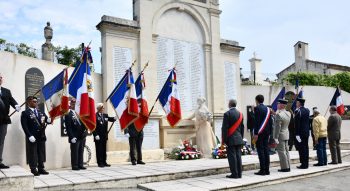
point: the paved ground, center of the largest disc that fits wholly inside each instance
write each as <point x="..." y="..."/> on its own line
<point x="338" y="181"/>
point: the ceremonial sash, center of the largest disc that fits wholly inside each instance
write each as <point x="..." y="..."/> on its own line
<point x="263" y="125"/>
<point x="233" y="128"/>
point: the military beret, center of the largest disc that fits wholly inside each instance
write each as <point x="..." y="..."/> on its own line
<point x="301" y="100"/>
<point x="282" y="101"/>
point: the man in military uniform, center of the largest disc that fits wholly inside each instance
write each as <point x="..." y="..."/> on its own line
<point x="302" y="129"/>
<point x="262" y="131"/>
<point x="34" y="124"/>
<point x="135" y="140"/>
<point x="281" y="134"/>
<point x="6" y="100"/>
<point x="101" y="135"/>
<point x="232" y="136"/>
<point x="76" y="137"/>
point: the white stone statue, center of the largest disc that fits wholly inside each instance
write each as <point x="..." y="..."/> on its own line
<point x="205" y="137"/>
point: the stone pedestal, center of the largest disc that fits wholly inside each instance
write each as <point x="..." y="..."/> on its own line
<point x="170" y="137"/>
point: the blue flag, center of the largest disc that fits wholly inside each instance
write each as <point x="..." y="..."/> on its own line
<point x="279" y="96"/>
<point x="300" y="95"/>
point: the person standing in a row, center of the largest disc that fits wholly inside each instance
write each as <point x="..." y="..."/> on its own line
<point x="34" y="124"/>
<point x="77" y="133"/>
<point x="232" y="135"/>
<point x="302" y="129"/>
<point x="281" y="134"/>
<point x="101" y="135"/>
<point x="319" y="125"/>
<point x="262" y="131"/>
<point x="6" y="100"/>
<point x="333" y="129"/>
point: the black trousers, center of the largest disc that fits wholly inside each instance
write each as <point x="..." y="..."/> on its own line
<point x="36" y="154"/>
<point x="77" y="153"/>
<point x="234" y="156"/>
<point x="263" y="153"/>
<point x="135" y="142"/>
<point x="303" y="149"/>
<point x="101" y="155"/>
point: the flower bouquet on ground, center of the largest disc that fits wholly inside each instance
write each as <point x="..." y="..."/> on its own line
<point x="185" y="152"/>
<point x="246" y="149"/>
<point x="219" y="152"/>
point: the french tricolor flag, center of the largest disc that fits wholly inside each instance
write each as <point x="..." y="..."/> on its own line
<point x="142" y="120"/>
<point x="338" y="101"/>
<point x="124" y="100"/>
<point x="81" y="88"/>
<point x="169" y="99"/>
<point x="56" y="95"/>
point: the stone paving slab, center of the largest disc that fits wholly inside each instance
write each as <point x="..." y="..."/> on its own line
<point x="128" y="176"/>
<point x="220" y="182"/>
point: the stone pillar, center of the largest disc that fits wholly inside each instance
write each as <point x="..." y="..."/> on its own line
<point x="47" y="47"/>
<point x="255" y="67"/>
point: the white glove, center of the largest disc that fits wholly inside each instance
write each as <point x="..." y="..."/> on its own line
<point x="116" y="117"/>
<point x="127" y="135"/>
<point x="18" y="108"/>
<point x="48" y="120"/>
<point x="74" y="140"/>
<point x="97" y="138"/>
<point x="32" y="139"/>
<point x="298" y="138"/>
<point x="276" y="141"/>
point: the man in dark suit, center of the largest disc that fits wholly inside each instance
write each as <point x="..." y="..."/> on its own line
<point x="76" y="137"/>
<point x="302" y="132"/>
<point x="34" y="124"/>
<point x="101" y="135"/>
<point x="232" y="135"/>
<point x="333" y="131"/>
<point x="311" y="128"/>
<point x="250" y="124"/>
<point x="6" y="100"/>
<point x="135" y="140"/>
<point x="262" y="131"/>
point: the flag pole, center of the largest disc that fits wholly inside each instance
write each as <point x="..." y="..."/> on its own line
<point x="25" y="102"/>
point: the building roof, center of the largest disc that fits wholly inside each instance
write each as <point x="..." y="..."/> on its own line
<point x="119" y="22"/>
<point x="230" y="44"/>
<point x="328" y="65"/>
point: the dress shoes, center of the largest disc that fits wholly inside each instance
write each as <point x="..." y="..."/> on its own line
<point x="2" y="166"/>
<point x="232" y="176"/>
<point x="133" y="162"/>
<point x="43" y="172"/>
<point x="34" y="172"/>
<point x="302" y="167"/>
<point x="107" y="165"/>
<point x="75" y="168"/>
<point x="82" y="168"/>
<point x="332" y="163"/>
<point x="101" y="165"/>
<point x="284" y="170"/>
<point x="262" y="173"/>
<point x="140" y="162"/>
<point x="317" y="164"/>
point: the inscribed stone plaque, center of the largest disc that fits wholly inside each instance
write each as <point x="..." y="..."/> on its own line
<point x="217" y="126"/>
<point x="34" y="81"/>
<point x="230" y="82"/>
<point x="188" y="58"/>
<point x="151" y="134"/>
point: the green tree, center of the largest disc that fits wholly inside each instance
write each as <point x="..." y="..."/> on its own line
<point x="68" y="56"/>
<point x="26" y="50"/>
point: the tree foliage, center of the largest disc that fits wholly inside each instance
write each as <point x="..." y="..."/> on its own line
<point x="68" y="56"/>
<point x="341" y="79"/>
<point x="20" y="48"/>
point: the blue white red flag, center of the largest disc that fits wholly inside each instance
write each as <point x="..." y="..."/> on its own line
<point x="169" y="99"/>
<point x="142" y="120"/>
<point x="123" y="98"/>
<point x="338" y="101"/>
<point x="81" y="88"/>
<point x="279" y="96"/>
<point x="56" y="95"/>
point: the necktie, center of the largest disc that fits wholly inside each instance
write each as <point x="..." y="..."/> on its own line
<point x="76" y="116"/>
<point x="36" y="113"/>
<point x="102" y="118"/>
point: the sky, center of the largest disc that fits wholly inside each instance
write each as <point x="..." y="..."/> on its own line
<point x="268" y="27"/>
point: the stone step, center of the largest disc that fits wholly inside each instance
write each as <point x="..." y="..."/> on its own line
<point x="128" y="176"/>
<point x="249" y="179"/>
<point x="16" y="178"/>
